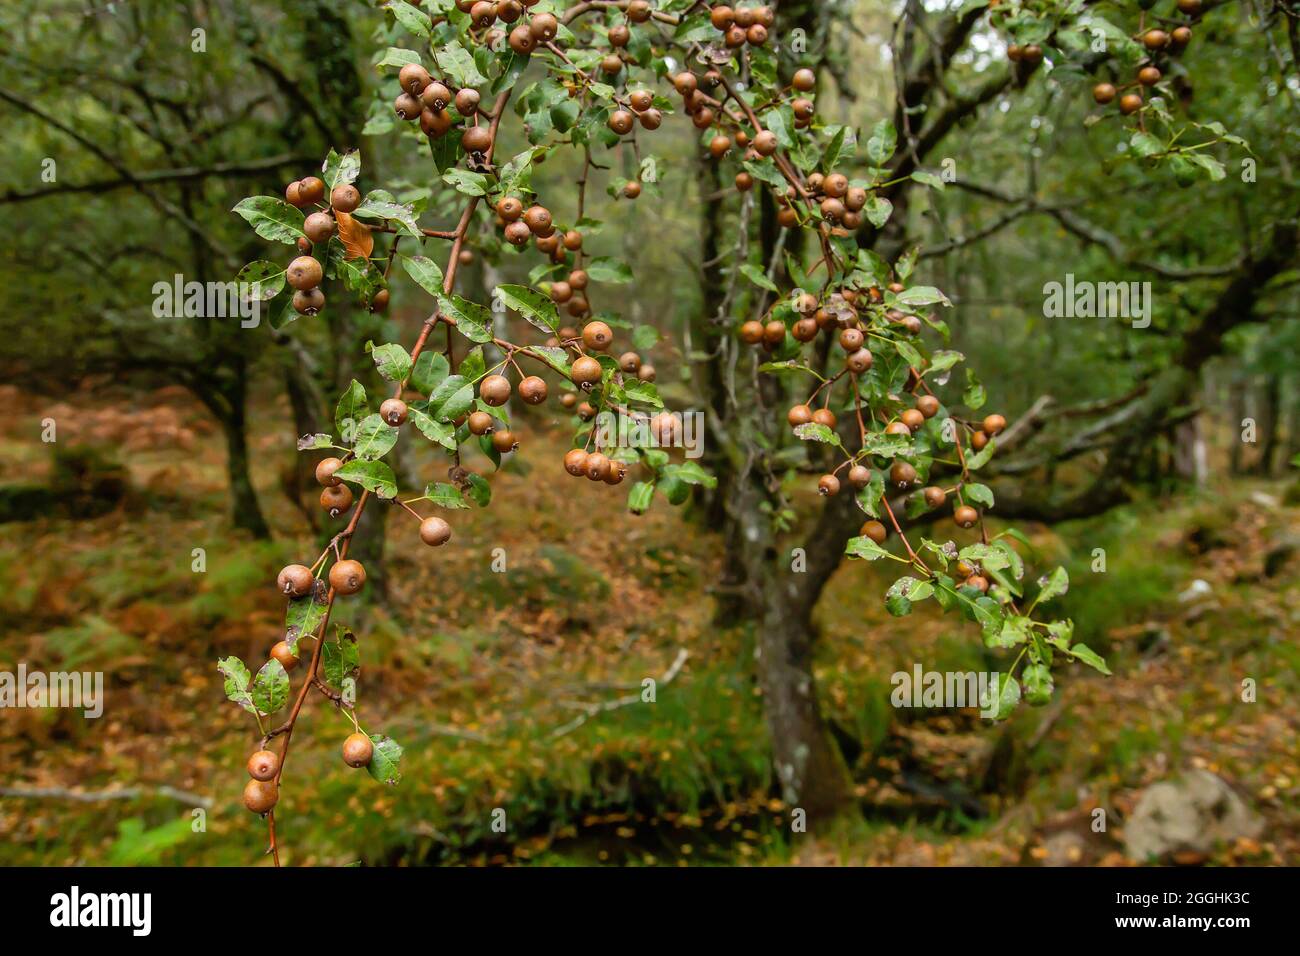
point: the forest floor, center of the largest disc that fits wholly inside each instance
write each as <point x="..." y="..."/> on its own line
<point x="511" y="691"/>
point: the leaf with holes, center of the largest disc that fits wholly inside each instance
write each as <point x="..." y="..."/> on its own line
<point x="443" y="495"/>
<point x="472" y="320"/>
<point x="375" y="438"/>
<point x="271" y="687"/>
<point x="374" y="476"/>
<point x="537" y="309"/>
<point x="815" y="432"/>
<point x="391" y="360"/>
<point x="385" y="764"/>
<point x="236" y="684"/>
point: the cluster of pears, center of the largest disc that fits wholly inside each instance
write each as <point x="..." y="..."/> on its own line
<point x="427" y="101"/>
<point x="619" y="36"/>
<point x="304" y="274"/>
<point x="1157" y="42"/>
<point x="902" y="475"/>
<point x="519" y="224"/>
<point x="838" y="202"/>
<point x="640" y="108"/>
<point x="262" y="792"/>
<point x="742" y="25"/>
<point x="835" y="314"/>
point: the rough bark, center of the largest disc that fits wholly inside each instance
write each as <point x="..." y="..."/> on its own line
<point x="228" y="407"/>
<point x="810" y="768"/>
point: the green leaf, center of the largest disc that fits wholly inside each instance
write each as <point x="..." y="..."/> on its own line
<point x="831" y="155"/>
<point x="644" y="392"/>
<point x="639" y="497"/>
<point x="759" y="278"/>
<point x="479" y="490"/>
<point x="271" y="218"/>
<point x="1014" y="632"/>
<point x="1090" y="657"/>
<point x="944" y="359"/>
<point x="557" y="358"/>
<point x="878" y="210"/>
<point x="779" y="368"/>
<point x="1144" y="144"/>
<point x="316" y="442"/>
<point x="815" y="432"/>
<point x="1212" y="166"/>
<point x="865" y="548"/>
<point x="374" y="476"/>
<point x="426" y="273"/>
<point x="928" y="179"/>
<point x="443" y="495"/>
<point x="473" y="365"/>
<point x="339" y="170"/>
<point x="411" y="18"/>
<point x="1060" y="633"/>
<point x="695" y="29"/>
<point x="341" y="657"/>
<point x="380" y="204"/>
<point x="1014" y="562"/>
<point x="472" y="320"/>
<point x="765" y="172"/>
<point x="921" y="295"/>
<point x="385" y="764"/>
<point x="271" y="687"/>
<point x="691" y="473"/>
<point x="868" y="499"/>
<point x="457" y="63"/>
<point x="443" y="433"/>
<point x="467" y="182"/>
<point x="264" y="279"/>
<point x="781" y="123"/>
<point x="375" y="438"/>
<point x="1054" y="586"/>
<point x="645" y="337"/>
<point x="398" y="57"/>
<point x="430" y="369"/>
<point x="1038" y="684"/>
<point x="606" y="269"/>
<point x="887" y="446"/>
<point x="978" y="494"/>
<point x="351" y="409"/>
<point x="392" y="361"/>
<point x="451" y="399"/>
<point x="236" y="684"/>
<point x="537" y="309"/>
<point x="302" y="619"/>
<point x="1001" y="697"/>
<point x="903" y="592"/>
<point x="882" y="142"/>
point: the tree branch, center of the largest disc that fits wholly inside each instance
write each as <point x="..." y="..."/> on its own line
<point x="134" y="179"/>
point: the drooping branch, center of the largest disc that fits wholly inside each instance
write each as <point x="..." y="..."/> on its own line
<point x="164" y="205"/>
<point x="1093" y="234"/>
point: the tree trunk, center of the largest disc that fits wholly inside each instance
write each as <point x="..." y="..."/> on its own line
<point x="1237" y="409"/>
<point x="810" y="768"/>
<point x="246" y="513"/>
<point x="227" y="403"/>
<point x="1270" y="425"/>
<point x="305" y="404"/>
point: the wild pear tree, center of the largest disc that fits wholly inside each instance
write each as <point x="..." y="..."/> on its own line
<point x="584" y="80"/>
